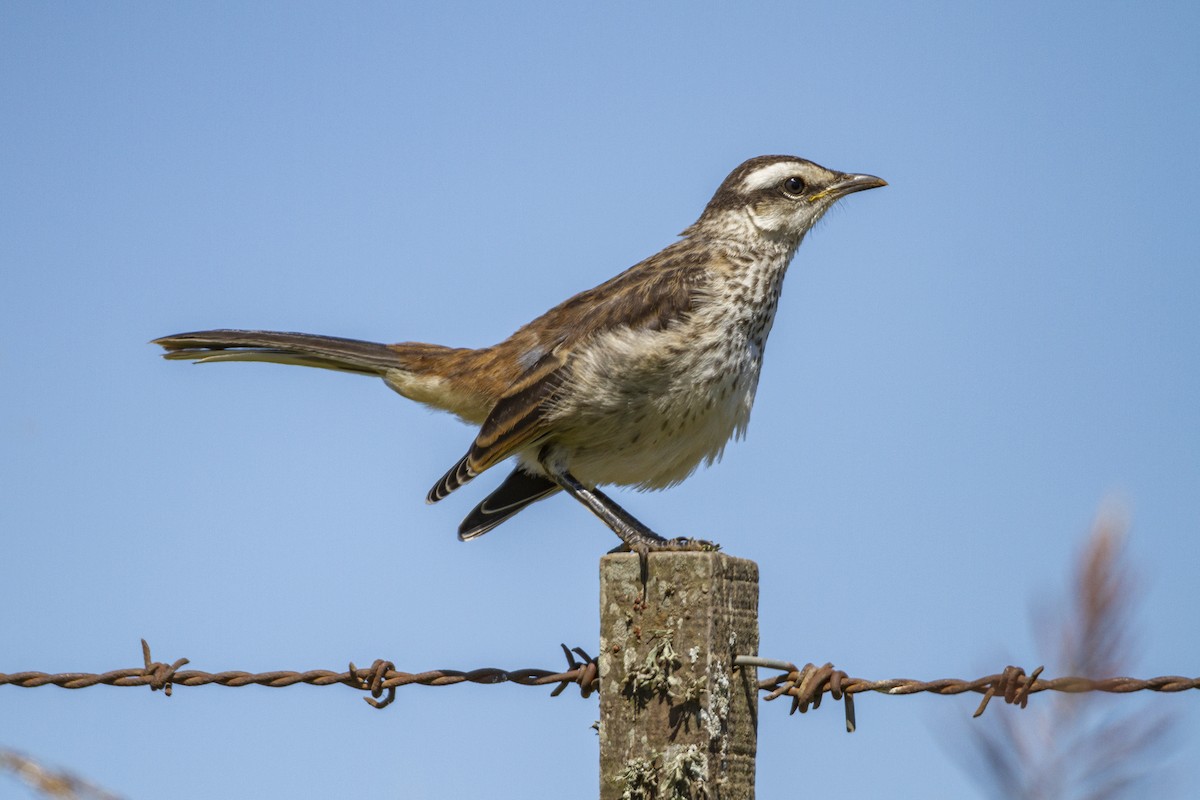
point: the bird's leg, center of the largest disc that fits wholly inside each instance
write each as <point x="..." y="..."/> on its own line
<point x="636" y="536"/>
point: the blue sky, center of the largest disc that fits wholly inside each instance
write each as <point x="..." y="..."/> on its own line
<point x="966" y="365"/>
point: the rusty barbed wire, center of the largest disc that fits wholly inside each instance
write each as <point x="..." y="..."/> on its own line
<point x="380" y="677"/>
<point x="806" y="685"/>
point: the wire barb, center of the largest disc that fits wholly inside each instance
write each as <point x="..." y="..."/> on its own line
<point x="587" y="671"/>
<point x="1013" y="684"/>
<point x="806" y="686"/>
<point x="157" y="674"/>
<point x="373" y="682"/>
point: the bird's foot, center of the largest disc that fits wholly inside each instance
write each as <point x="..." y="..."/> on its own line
<point x="646" y="542"/>
<point x="644" y="545"/>
<point x="688" y="545"/>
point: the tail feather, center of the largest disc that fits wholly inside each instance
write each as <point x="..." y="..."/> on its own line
<point x="451" y="379"/>
<point x="518" y="490"/>
<point x="446" y="378"/>
<point x="302" y="349"/>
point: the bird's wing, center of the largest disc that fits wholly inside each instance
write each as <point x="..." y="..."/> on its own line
<point x="648" y="296"/>
<point x="515" y="422"/>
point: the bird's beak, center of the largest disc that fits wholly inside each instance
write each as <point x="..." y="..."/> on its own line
<point x="847" y="184"/>
<point x="855" y="183"/>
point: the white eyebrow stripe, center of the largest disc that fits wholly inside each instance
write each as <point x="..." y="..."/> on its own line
<point x="770" y="175"/>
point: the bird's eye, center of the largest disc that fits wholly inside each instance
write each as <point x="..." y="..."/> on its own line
<point x="793" y="186"/>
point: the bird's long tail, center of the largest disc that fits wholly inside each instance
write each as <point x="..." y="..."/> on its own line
<point x="441" y="377"/>
<point x="301" y="349"/>
<point x="447" y="378"/>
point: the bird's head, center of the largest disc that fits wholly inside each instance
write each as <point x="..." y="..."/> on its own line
<point x="776" y="197"/>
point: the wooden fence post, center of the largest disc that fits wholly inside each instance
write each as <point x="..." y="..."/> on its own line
<point x="677" y="721"/>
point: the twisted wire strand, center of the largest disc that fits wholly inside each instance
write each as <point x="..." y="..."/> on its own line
<point x="377" y="679"/>
<point x="806" y="686"/>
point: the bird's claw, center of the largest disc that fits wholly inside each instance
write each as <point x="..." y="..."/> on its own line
<point x="689" y="545"/>
<point x="680" y="544"/>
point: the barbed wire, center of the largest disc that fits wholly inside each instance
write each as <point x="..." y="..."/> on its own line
<point x="382" y="676"/>
<point x="805" y="685"/>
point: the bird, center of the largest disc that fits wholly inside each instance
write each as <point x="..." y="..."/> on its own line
<point x="634" y="382"/>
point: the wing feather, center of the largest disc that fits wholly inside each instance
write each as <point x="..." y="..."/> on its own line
<point x="653" y="295"/>
<point x="517" y="421"/>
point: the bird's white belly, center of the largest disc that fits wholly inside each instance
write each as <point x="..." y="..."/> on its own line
<point x="646" y="408"/>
